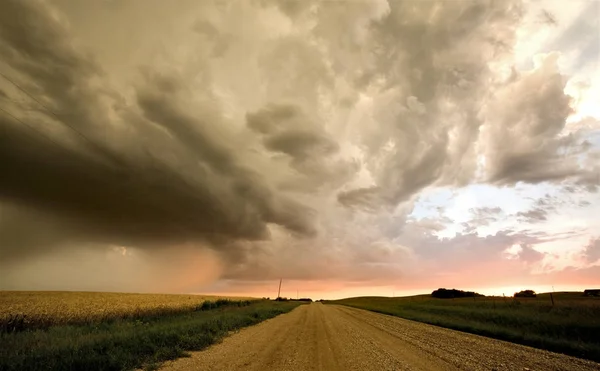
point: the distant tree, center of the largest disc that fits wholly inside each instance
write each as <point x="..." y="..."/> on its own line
<point x="525" y="294"/>
<point x="454" y="293"/>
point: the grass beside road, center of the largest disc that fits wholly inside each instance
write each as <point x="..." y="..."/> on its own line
<point x="131" y="343"/>
<point x="570" y="326"/>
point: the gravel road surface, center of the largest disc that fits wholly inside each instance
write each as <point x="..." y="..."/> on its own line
<point x="331" y="337"/>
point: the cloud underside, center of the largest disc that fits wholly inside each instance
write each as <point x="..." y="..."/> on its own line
<point x="269" y="132"/>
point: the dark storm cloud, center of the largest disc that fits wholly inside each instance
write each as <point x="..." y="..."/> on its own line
<point x="153" y="179"/>
<point x="253" y="124"/>
<point x="27" y="231"/>
<point x="367" y="199"/>
<point x="287" y="129"/>
<point x="301" y="144"/>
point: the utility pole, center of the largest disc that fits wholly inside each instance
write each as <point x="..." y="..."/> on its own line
<point x="279" y="291"/>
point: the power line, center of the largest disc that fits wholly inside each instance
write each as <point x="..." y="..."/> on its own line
<point x="49" y="111"/>
<point x="181" y="226"/>
<point x="30" y="127"/>
<point x="92" y="143"/>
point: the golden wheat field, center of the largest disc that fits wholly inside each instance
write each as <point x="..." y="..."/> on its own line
<point x="43" y="309"/>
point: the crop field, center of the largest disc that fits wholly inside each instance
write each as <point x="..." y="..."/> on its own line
<point x="107" y="331"/>
<point x="33" y="309"/>
<point x="571" y="325"/>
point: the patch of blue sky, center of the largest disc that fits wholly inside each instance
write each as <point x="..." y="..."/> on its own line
<point x="430" y="200"/>
<point x="458" y="205"/>
<point x="594" y="138"/>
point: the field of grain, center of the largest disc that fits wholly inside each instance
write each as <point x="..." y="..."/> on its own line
<point x="37" y="309"/>
<point x="571" y="324"/>
<point x="132" y="343"/>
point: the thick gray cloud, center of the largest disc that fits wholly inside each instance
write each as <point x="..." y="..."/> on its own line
<point x="411" y="145"/>
<point x="529" y="112"/>
<point x="286" y="129"/>
<point x="161" y="176"/>
<point x="367" y="199"/>
<point x="290" y="137"/>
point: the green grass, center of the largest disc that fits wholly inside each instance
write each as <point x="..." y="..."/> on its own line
<point x="571" y="326"/>
<point x="131" y="343"/>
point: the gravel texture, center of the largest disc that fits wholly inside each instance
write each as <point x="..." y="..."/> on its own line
<point x="331" y="337"/>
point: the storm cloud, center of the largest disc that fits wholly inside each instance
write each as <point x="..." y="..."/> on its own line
<point x="270" y="138"/>
<point x="157" y="174"/>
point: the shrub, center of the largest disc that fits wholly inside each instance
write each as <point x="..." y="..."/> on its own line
<point x="525" y="294"/>
<point x="453" y="293"/>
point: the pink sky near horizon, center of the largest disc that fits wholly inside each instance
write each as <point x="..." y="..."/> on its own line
<point x="338" y="290"/>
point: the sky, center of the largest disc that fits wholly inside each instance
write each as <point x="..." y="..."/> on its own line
<point x="346" y="147"/>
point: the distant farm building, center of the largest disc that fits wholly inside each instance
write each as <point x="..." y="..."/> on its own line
<point x="591" y="292"/>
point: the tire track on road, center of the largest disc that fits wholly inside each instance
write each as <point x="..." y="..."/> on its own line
<point x="332" y="337"/>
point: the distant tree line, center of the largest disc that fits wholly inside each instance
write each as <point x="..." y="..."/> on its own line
<point x="454" y="293"/>
<point x="289" y="299"/>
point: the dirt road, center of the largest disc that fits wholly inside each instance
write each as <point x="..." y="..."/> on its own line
<point x="329" y="337"/>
